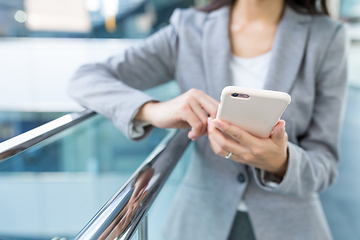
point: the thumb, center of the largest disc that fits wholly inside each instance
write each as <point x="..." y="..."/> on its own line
<point x="278" y="133"/>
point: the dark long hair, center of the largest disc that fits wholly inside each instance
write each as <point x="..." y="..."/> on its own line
<point x="301" y="6"/>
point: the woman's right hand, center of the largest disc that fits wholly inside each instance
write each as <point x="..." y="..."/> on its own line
<point x="189" y="110"/>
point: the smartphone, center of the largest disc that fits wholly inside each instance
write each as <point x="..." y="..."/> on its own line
<point x="255" y="110"/>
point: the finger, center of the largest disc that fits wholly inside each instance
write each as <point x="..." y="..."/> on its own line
<point x="208" y="103"/>
<point x="278" y="133"/>
<point x="195" y="123"/>
<point x="227" y="144"/>
<point x="281" y="123"/>
<point x="200" y="113"/>
<point x="216" y="148"/>
<point x="223" y="153"/>
<point x="237" y="133"/>
<point x="207" y="98"/>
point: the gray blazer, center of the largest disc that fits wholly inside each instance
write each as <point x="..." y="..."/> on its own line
<point x="308" y="62"/>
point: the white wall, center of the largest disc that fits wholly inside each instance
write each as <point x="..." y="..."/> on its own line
<point x="354" y="64"/>
<point x="34" y="72"/>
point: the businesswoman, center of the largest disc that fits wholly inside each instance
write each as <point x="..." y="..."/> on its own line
<point x="237" y="186"/>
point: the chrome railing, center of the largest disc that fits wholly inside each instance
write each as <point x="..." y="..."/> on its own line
<point x="37" y="135"/>
<point x="127" y="210"/>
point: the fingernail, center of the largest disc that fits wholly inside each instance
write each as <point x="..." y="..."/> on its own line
<point x="190" y="135"/>
<point x="216" y="123"/>
<point x="282" y="129"/>
<point x="209" y="120"/>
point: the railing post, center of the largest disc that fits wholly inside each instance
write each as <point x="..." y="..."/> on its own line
<point x="161" y="161"/>
<point x="143" y="230"/>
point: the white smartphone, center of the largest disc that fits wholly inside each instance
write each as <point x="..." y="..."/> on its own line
<point x="254" y="110"/>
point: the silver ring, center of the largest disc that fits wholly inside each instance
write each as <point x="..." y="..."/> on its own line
<point x="228" y="156"/>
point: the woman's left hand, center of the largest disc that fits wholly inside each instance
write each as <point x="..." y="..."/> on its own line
<point x="269" y="154"/>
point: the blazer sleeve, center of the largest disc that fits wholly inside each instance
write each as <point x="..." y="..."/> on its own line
<point x="312" y="164"/>
<point x="114" y="88"/>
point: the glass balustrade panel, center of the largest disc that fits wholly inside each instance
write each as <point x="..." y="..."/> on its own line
<point x="54" y="188"/>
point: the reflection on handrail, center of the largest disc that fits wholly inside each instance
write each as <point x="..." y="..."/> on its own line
<point x="28" y="139"/>
<point x="123" y="213"/>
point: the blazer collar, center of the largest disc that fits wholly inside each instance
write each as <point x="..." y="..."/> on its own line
<point x="287" y="50"/>
<point x="216" y="51"/>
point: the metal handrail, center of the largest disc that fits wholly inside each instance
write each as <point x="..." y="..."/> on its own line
<point x="127" y="209"/>
<point x="28" y="139"/>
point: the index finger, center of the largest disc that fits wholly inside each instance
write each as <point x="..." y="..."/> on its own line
<point x="237" y="133"/>
<point x="209" y="104"/>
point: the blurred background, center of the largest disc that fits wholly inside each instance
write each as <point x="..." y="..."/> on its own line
<point x="56" y="187"/>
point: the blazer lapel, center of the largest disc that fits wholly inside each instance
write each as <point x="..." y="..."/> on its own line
<point x="288" y="50"/>
<point x="216" y="51"/>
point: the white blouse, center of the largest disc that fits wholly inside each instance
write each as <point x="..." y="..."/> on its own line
<point x="249" y="73"/>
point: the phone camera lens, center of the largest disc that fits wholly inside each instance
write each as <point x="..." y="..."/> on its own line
<point x="234" y="94"/>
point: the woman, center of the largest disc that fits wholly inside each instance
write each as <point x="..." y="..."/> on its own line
<point x="239" y="186"/>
